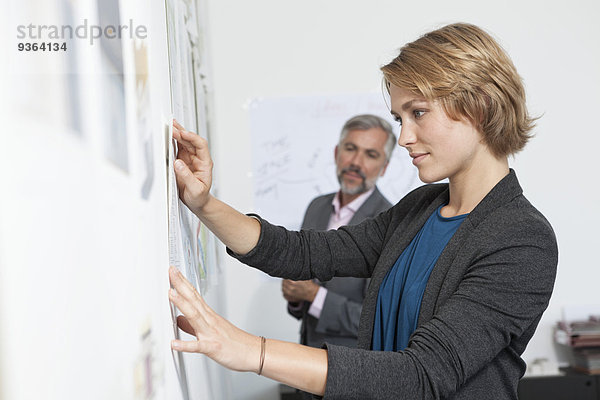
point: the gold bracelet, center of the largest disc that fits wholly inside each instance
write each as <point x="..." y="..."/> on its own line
<point x="263" y="344"/>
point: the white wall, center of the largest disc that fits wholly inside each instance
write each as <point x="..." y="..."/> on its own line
<point x="84" y="312"/>
<point x="282" y="48"/>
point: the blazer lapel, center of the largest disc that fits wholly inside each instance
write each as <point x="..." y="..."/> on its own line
<point x="368" y="209"/>
<point x="503" y="192"/>
<point x="323" y="218"/>
<point x="320" y="218"/>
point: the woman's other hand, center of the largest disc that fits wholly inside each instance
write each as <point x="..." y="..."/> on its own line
<point x="215" y="336"/>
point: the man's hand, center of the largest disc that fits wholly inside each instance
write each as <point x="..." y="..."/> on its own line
<point x="297" y="291"/>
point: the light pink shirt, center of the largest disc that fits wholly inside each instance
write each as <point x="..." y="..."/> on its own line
<point x="339" y="217"/>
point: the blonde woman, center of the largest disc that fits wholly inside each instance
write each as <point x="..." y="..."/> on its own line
<point x="460" y="272"/>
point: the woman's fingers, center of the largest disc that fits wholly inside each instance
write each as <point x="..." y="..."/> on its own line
<point x="186" y="346"/>
<point x="182" y="144"/>
<point x="185" y="306"/>
<point x="187" y="140"/>
<point x="190" y="140"/>
<point x="191" y="189"/>
<point x="193" y="321"/>
<point x="186" y="299"/>
<point x="183" y="286"/>
<point x="177" y="129"/>
<point x="177" y="125"/>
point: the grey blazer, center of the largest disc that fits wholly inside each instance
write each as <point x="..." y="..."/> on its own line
<point x="482" y="304"/>
<point x="340" y="316"/>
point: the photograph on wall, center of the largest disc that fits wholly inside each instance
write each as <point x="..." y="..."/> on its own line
<point x="144" y="116"/>
<point x="115" y="134"/>
<point x="73" y="73"/>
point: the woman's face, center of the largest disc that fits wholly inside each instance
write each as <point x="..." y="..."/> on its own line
<point x="439" y="146"/>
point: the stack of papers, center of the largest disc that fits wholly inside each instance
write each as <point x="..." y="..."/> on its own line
<point x="583" y="340"/>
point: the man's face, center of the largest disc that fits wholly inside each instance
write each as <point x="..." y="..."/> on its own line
<point x="360" y="160"/>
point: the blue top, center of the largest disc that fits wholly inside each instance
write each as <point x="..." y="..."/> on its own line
<point x="400" y="293"/>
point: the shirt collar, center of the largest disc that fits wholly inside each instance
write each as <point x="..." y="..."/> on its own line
<point x="354" y="205"/>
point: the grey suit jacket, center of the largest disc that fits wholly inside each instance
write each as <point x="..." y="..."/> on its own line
<point x="482" y="304"/>
<point x="340" y="316"/>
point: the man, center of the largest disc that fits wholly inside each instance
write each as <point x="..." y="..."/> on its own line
<point x="330" y="311"/>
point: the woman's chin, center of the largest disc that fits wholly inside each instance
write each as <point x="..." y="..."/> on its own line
<point x="429" y="177"/>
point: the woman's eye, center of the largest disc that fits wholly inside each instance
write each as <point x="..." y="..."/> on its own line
<point x="418" y="113"/>
<point x="398" y="120"/>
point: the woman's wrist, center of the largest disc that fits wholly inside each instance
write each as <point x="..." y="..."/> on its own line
<point x="204" y="208"/>
<point x="255" y="357"/>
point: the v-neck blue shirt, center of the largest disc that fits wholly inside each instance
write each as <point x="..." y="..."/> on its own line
<point x="401" y="292"/>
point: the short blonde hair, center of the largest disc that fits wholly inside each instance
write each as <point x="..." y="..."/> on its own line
<point x="468" y="72"/>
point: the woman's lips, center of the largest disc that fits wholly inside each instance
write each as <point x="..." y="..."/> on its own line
<point x="418" y="157"/>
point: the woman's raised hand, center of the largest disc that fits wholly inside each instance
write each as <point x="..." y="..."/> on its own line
<point x="215" y="336"/>
<point x="193" y="168"/>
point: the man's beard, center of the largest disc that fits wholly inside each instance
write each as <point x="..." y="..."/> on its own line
<point x="352" y="190"/>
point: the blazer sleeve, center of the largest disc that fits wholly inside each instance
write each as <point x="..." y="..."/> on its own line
<point x="351" y="250"/>
<point x="340" y="315"/>
<point x="511" y="266"/>
<point x="307" y="254"/>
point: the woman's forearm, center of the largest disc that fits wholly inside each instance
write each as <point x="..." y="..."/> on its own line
<point x="237" y="231"/>
<point x="296" y="365"/>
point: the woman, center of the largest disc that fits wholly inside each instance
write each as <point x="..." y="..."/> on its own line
<point x="461" y="272"/>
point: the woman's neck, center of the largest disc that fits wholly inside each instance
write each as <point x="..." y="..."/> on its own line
<point x="468" y="188"/>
